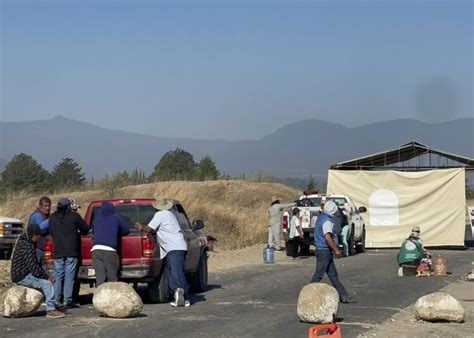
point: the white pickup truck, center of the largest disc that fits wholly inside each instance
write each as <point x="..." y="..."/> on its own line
<point x="10" y="230"/>
<point x="309" y="206"/>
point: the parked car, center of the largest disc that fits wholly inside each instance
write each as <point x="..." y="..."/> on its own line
<point x="310" y="209"/>
<point x="140" y="252"/>
<point x="10" y="230"/>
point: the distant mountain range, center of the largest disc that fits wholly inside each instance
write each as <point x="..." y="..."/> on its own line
<point x="298" y="149"/>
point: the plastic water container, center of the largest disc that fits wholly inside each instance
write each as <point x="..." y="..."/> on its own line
<point x="268" y="255"/>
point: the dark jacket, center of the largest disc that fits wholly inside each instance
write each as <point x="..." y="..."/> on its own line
<point x="107" y="226"/>
<point x="66" y="228"/>
<point x="24" y="260"/>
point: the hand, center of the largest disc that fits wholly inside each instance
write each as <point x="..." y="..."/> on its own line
<point x="301" y="235"/>
<point x="51" y="279"/>
<point x="137" y="226"/>
<point x="338" y="253"/>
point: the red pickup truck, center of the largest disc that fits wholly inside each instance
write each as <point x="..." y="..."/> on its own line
<point x="140" y="251"/>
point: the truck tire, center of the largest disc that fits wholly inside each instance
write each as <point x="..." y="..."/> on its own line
<point x="351" y="242"/>
<point x="199" y="278"/>
<point x="360" y="247"/>
<point x="289" y="248"/>
<point x="158" y="288"/>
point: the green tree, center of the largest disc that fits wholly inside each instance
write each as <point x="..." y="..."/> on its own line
<point x="23" y="172"/>
<point x="176" y="164"/>
<point x="67" y="174"/>
<point x="206" y="170"/>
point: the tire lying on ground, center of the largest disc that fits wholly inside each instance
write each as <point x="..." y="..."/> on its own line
<point x="317" y="303"/>
<point x="439" y="306"/>
<point x="21" y="301"/>
<point x="117" y="300"/>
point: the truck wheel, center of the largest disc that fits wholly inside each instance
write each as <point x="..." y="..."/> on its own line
<point x="158" y="289"/>
<point x="289" y="248"/>
<point x="351" y="242"/>
<point x="199" y="278"/>
<point x="360" y="247"/>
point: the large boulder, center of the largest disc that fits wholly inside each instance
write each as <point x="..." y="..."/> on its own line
<point x="117" y="300"/>
<point x="318" y="303"/>
<point x="439" y="306"/>
<point x="21" y="301"/>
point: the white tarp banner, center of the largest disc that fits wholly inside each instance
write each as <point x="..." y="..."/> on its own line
<point x="396" y="201"/>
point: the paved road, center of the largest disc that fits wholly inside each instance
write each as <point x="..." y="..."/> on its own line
<point x="259" y="302"/>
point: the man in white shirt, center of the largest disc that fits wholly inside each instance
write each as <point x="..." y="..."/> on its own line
<point x="173" y="246"/>
<point x="296" y="232"/>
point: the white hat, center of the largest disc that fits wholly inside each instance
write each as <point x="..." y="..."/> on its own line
<point x="162" y="203"/>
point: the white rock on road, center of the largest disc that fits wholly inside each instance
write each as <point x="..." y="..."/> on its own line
<point x="21" y="301"/>
<point x="317" y="303"/>
<point x="439" y="306"/>
<point x="117" y="300"/>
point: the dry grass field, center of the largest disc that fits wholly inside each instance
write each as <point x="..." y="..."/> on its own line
<point x="235" y="212"/>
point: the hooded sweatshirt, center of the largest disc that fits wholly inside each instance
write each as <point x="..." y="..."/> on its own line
<point x="24" y="260"/>
<point x="325" y="224"/>
<point x="107" y="226"/>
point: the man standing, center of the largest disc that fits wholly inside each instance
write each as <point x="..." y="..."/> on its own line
<point x="65" y="227"/>
<point x="40" y="217"/>
<point x="173" y="246"/>
<point x="275" y="212"/>
<point x="26" y="271"/>
<point x="107" y="226"/>
<point x="325" y="240"/>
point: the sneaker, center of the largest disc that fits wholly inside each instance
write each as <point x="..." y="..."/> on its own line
<point x="346" y="298"/>
<point x="187" y="303"/>
<point x="72" y="306"/>
<point x="54" y="314"/>
<point x="178" y="298"/>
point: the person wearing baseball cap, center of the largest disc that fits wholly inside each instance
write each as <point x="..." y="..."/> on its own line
<point x="66" y="227"/>
<point x="173" y="246"/>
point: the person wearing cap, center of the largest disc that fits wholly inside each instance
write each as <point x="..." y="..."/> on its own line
<point x="275" y="213"/>
<point x="40" y="217"/>
<point x="74" y="205"/>
<point x="107" y="227"/>
<point x="66" y="227"/>
<point x="326" y="242"/>
<point x="26" y="270"/>
<point x="173" y="247"/>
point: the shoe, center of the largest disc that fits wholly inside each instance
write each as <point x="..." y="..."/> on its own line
<point x="178" y="298"/>
<point x="187" y="303"/>
<point x="72" y="306"/>
<point x="55" y="314"/>
<point x="346" y="298"/>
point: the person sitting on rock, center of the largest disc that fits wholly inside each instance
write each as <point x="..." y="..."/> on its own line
<point x="27" y="271"/>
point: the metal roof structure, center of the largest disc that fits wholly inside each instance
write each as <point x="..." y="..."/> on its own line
<point x="410" y="156"/>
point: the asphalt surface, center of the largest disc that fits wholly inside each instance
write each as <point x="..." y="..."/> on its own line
<point x="259" y="301"/>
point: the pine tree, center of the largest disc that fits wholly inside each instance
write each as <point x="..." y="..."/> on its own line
<point x="176" y="164"/>
<point x="23" y="172"/>
<point x="206" y="170"/>
<point x="67" y="174"/>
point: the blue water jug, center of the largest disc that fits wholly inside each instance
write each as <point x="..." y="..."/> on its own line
<point x="268" y="255"/>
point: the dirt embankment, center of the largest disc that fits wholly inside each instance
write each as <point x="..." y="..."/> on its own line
<point x="235" y="212"/>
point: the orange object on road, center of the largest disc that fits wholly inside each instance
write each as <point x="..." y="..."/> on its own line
<point x="332" y="331"/>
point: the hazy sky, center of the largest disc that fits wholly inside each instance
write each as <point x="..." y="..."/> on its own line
<point x="235" y="69"/>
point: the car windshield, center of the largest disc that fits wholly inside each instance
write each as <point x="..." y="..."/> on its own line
<point x="338" y="200"/>
<point x="131" y="213"/>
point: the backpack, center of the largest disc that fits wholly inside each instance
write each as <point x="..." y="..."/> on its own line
<point x="411" y="252"/>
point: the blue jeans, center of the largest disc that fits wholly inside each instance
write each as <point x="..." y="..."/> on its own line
<point x="325" y="264"/>
<point x="44" y="285"/>
<point x="64" y="271"/>
<point x="175" y="266"/>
